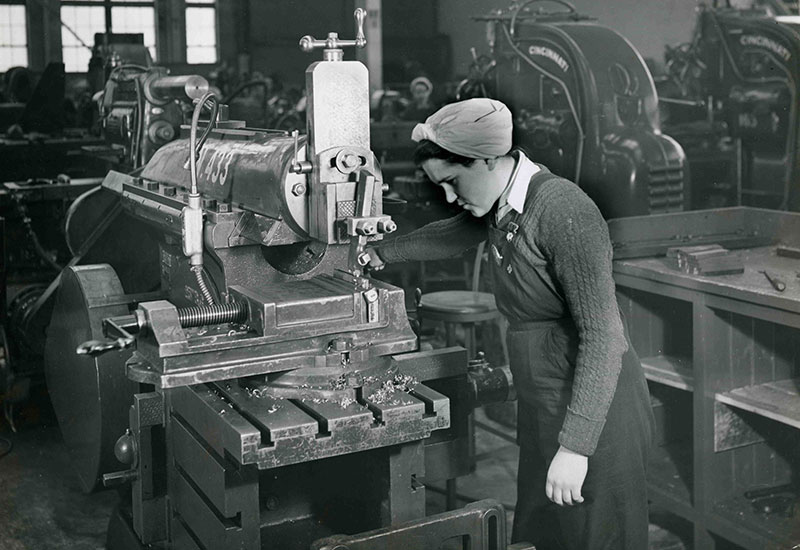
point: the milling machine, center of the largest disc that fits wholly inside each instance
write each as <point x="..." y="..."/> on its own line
<point x="268" y="392"/>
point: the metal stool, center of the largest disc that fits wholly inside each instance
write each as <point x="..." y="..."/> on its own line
<point x="460" y="307"/>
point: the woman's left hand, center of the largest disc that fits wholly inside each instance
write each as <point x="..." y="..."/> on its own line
<point x="565" y="477"/>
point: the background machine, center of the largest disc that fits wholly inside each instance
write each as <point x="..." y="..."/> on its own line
<point x="141" y="109"/>
<point x="584" y="105"/>
<point x="730" y="96"/>
<point x="267" y="392"/>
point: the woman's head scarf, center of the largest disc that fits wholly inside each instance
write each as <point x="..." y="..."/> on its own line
<point x="478" y="128"/>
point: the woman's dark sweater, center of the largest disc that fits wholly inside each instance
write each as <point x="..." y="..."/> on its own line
<point x="561" y="225"/>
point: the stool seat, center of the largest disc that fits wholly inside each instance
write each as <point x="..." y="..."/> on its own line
<point x="459" y="306"/>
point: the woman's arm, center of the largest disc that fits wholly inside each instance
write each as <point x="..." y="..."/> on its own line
<point x="575" y="239"/>
<point x="440" y="239"/>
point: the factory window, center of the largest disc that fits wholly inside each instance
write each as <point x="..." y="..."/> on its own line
<point x="201" y="31"/>
<point x="13" y="39"/>
<point x="81" y="19"/>
<point x="136" y="19"/>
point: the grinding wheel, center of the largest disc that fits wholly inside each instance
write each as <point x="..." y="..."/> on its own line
<point x="91" y="395"/>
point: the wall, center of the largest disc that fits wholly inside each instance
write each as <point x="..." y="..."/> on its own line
<point x="648" y="24"/>
<point x="275" y="27"/>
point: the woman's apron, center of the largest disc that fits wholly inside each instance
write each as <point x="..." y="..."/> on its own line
<point x="543" y="346"/>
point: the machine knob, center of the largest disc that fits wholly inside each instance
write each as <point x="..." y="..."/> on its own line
<point x="386" y="226"/>
<point x="366" y="228"/>
<point x="308" y="43"/>
<point x="125" y="448"/>
<point x="161" y="132"/>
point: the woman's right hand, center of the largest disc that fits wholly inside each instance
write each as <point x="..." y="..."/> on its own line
<point x="375" y="262"/>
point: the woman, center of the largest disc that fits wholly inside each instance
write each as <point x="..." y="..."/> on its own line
<point x="584" y="422"/>
<point x="421" y="105"/>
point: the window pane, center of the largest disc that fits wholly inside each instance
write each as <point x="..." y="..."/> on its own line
<point x="201" y="54"/>
<point x="13" y="43"/>
<point x="84" y="21"/>
<point x="136" y="20"/>
<point x="201" y="35"/>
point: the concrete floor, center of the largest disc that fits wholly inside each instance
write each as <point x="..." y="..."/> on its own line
<point x="41" y="503"/>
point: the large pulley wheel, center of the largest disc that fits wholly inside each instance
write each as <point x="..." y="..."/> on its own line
<point x="91" y="395"/>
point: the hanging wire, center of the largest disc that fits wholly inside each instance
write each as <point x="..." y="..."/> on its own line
<point x="208" y="100"/>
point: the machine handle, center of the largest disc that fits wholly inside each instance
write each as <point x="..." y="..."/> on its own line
<point x="299" y="166"/>
<point x="360" y="15"/>
<point x="308" y="43"/>
<point x="116" y="326"/>
<point x="94" y="348"/>
<point x="119" y="478"/>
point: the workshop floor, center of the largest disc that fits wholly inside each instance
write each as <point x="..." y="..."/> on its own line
<point x="41" y="503"/>
<point x="43" y="508"/>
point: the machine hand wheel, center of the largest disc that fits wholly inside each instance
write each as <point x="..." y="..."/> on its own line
<point x="90" y="395"/>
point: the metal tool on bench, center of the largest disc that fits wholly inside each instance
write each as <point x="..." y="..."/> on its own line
<point x="271" y="393"/>
<point x="773" y="279"/>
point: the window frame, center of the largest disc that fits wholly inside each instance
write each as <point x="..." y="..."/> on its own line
<point x="209" y="5"/>
<point x="108" y="6"/>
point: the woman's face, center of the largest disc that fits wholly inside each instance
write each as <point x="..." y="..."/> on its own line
<point x="420" y="93"/>
<point x="472" y="187"/>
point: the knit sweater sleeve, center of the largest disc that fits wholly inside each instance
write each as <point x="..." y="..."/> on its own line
<point x="436" y="240"/>
<point x="574" y="237"/>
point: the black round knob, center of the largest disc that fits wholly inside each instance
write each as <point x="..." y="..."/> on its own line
<point x="125" y="448"/>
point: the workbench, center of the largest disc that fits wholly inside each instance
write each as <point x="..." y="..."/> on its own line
<point x="722" y="357"/>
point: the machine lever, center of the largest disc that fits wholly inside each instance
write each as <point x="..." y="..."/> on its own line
<point x="299" y="166"/>
<point x="119" y="478"/>
<point x="333" y="44"/>
<point x="98" y="347"/>
<point x="360" y="14"/>
<point x="118" y="327"/>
